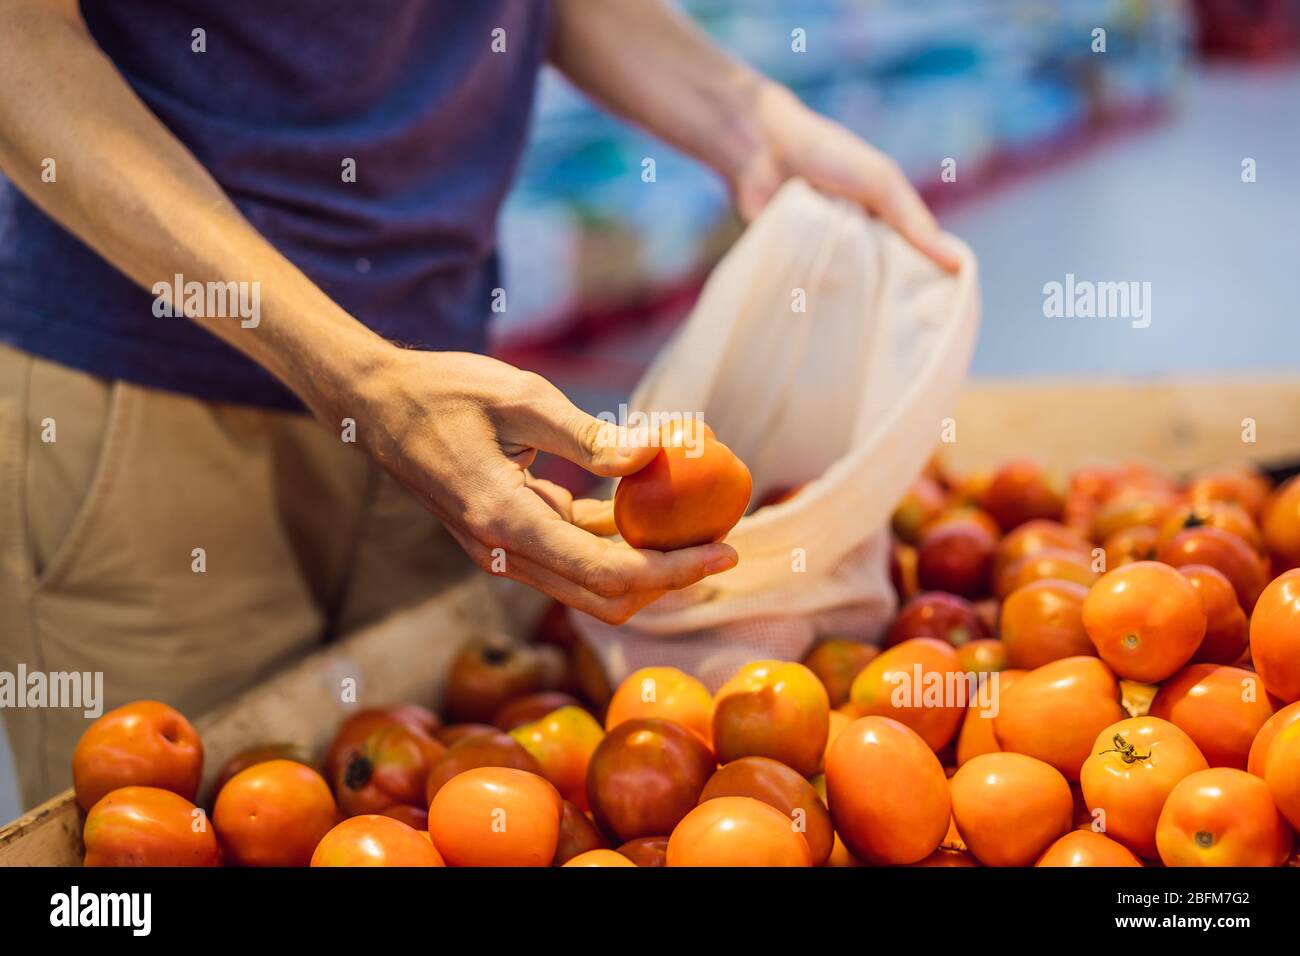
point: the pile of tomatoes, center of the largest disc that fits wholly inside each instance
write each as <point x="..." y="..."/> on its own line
<point x="1104" y="672"/>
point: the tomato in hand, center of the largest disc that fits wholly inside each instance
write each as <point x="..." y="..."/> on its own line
<point x="142" y="744"/>
<point x="691" y="493"/>
<point x="148" y="826"/>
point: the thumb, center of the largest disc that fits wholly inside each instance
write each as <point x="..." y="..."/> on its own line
<point x="601" y="447"/>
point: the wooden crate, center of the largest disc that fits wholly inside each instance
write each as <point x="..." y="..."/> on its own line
<point x="403" y="658"/>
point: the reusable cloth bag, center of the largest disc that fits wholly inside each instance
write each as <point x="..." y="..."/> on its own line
<point x="823" y="350"/>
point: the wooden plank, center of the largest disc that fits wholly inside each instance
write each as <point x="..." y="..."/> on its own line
<point x="1179" y="425"/>
<point x="403" y="658"/>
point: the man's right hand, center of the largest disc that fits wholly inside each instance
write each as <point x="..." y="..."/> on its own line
<point x="460" y="431"/>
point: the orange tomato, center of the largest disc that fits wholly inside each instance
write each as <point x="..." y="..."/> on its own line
<point x="1239" y="563"/>
<point x="1135" y="763"/>
<point x="1043" y="622"/>
<point x="141" y="744"/>
<point x="599" y="857"/>
<point x="836" y="661"/>
<point x="1130" y="510"/>
<point x="375" y="840"/>
<point x="923" y="501"/>
<point x="274" y="814"/>
<point x="781" y="788"/>
<point x="1259" y="747"/>
<point x="1282" y="771"/>
<point x="1127" y="545"/>
<point x="903" y="817"/>
<point x="562" y="742"/>
<point x="774" y="709"/>
<point x="692" y="492"/>
<point x="1224" y="515"/>
<point x="1227" y="632"/>
<point x="918" y="683"/>
<point x="1033" y="537"/>
<point x="1086" y="848"/>
<point x="1221" y="708"/>
<point x="1056" y="563"/>
<point x="663" y="692"/>
<point x="976" y="736"/>
<point x="1222" y="817"/>
<point x="1145" y="619"/>
<point x="736" y="831"/>
<point x="1056" y="711"/>
<point x="1282" y="524"/>
<point x="496" y="816"/>
<point x="1242" y="486"/>
<point x="985" y="656"/>
<point x="1009" y="808"/>
<point x="148" y="826"/>
<point x="1275" y="636"/>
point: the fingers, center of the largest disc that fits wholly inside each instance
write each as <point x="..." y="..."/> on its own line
<point x="596" y="517"/>
<point x="890" y="195"/>
<point x="558" y="426"/>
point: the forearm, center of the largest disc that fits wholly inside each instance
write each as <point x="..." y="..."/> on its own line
<point x="649" y="64"/>
<point x="129" y="189"/>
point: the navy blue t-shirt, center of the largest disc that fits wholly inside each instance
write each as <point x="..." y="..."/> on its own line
<point x="411" y="90"/>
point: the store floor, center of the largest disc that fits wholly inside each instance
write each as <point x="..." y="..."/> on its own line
<point x="1164" y="205"/>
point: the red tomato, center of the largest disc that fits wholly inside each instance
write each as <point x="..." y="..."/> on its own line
<point x="148" y="826"/>
<point x="273" y="814"/>
<point x="374" y="840"/>
<point x="1226" y="552"/>
<point x="1227" y="632"/>
<point x="1221" y="708"/>
<point x="692" y="492"/>
<point x="945" y="617"/>
<point x="391" y="767"/>
<point x="1275" y="636"/>
<point x="1022" y="491"/>
<point x="918" y="683"/>
<point x="144" y="744"/>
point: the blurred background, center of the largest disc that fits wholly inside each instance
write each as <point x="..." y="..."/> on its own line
<point x="1115" y="166"/>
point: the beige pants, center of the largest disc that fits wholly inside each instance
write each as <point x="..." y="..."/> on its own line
<point x="107" y="492"/>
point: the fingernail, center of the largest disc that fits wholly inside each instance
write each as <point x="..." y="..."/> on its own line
<point x="723" y="562"/>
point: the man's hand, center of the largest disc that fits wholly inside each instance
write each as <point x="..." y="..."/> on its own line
<point x="791" y="140"/>
<point x="460" y="431"/>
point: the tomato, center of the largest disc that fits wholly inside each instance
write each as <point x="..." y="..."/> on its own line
<point x="530" y="707"/>
<point x="1043" y="622"/>
<point x="374" y="840"/>
<point x="357" y="727"/>
<point x="1125" y="511"/>
<point x="1244" y="487"/>
<point x="976" y="736"/>
<point x="577" y="835"/>
<point x="836" y="661"/>
<point x="1145" y="619"/>
<point x="918" y="683"/>
<point x="453" y="734"/>
<point x="148" y="826"/>
<point x="417" y="818"/>
<point x="1022" y="491"/>
<point x="736" y="831"/>
<point x="1223" y="551"/>
<point x="692" y="492"/>
<point x="772" y="709"/>
<point x="256" y="755"/>
<point x="1056" y="711"/>
<point x="1275" y="636"/>
<point x="646" y="851"/>
<point x="838" y="721"/>
<point x="923" y="501"/>
<point x="663" y="692"/>
<point x="1222" y="817"/>
<point x="956" y="557"/>
<point x="1033" y="537"/>
<point x="1282" y="771"/>
<point x="142" y="744"/>
<point x="1136" y="543"/>
<point x="599" y="857"/>
<point x="391" y="766"/>
<point x="562" y="743"/>
<point x="904" y="817"/>
<point x="1227" y="632"/>
<point x="1135" y="763"/>
<point x="1224" y="515"/>
<point x="645" y="776"/>
<point x="902" y="570"/>
<point x="1221" y="708"/>
<point x="982" y="657"/>
<point x="1259" y="747"/>
<point x="492" y="670"/>
<point x="496" y="816"/>
<point x="782" y="789"/>
<point x="1282" y="524"/>
<point x="1009" y="808"/>
<point x="478" y="750"/>
<point x="1086" y="848"/>
<point x="945" y="617"/>
<point x="273" y="814"/>
<point x="1058" y="563"/>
